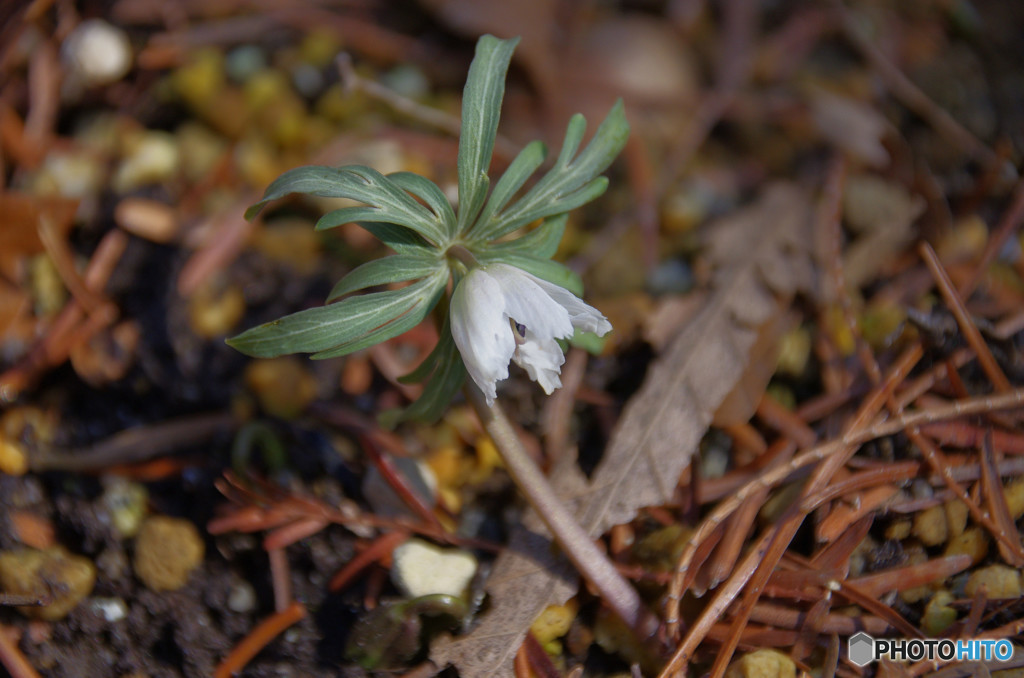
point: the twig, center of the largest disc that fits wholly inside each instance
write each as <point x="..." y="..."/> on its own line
<point x="258" y="638"/>
<point x="1008" y="225"/>
<point x="281" y="579"/>
<point x="68" y="329"/>
<point x="590" y="561"/>
<point x="963" y="319"/>
<point x="135" y="444"/>
<point x="909" y="94"/>
<point x="740" y="18"/>
<point x="1011" y="545"/>
<point x="381" y="547"/>
<point x="427" y="115"/>
<point x="12" y="658"/>
<point x="399" y="483"/>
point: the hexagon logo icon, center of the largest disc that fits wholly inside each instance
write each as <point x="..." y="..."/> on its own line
<point x="860" y="648"/>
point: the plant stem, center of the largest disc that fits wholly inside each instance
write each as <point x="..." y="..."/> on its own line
<point x="578" y="546"/>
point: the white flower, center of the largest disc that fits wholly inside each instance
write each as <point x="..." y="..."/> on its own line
<point x="501" y="313"/>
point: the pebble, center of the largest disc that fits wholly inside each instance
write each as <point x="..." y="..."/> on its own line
<point x="420" y="568"/>
<point x="554" y="621"/>
<point x="930" y="526"/>
<point x="166" y="551"/>
<point x="111" y="609"/>
<point x="244" y="61"/>
<point x="70" y="174"/>
<point x="284" y="386"/>
<point x="242" y="598"/>
<point x="939" y="615"/>
<point x="152" y="159"/>
<point x="125" y="500"/>
<point x="215" y="309"/>
<point x="147" y="219"/>
<point x="97" y="53"/>
<point x="973" y="541"/>
<point x="673" y="276"/>
<point x="762" y="664"/>
<point x="999" y="581"/>
<point x="13" y="460"/>
<point x="67" y="579"/>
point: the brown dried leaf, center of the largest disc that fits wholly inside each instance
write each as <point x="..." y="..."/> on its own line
<point x="529" y="575"/>
<point x="882" y="214"/>
<point x="19" y="236"/>
<point x="762" y="255"/>
<point x="763" y="259"/>
<point x="851" y="125"/>
<point x="741" y="402"/>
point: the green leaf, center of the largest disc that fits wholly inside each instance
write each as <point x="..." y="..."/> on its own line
<point x="573" y="138"/>
<point x="570" y="183"/>
<point x="387" y="201"/>
<point x="541" y="242"/>
<point x="446" y="373"/>
<point x="396" y="268"/>
<point x="545" y="269"/>
<point x="525" y="164"/>
<point x="400" y="325"/>
<point x="588" y="341"/>
<point x="481" y="108"/>
<point x="398" y="238"/>
<point x="427" y="191"/>
<point x="317" y="330"/>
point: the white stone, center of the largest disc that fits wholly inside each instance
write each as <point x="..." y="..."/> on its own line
<point x="97" y="53"/>
<point x="420" y="569"/>
<point x="111" y="609"/>
<point x="153" y="158"/>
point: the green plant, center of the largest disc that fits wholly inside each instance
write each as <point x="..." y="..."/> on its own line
<point x="509" y="300"/>
<point x="434" y="243"/>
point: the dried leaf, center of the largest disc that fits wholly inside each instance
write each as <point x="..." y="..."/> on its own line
<point x="882" y="213"/>
<point x="528" y="576"/>
<point x="763" y="259"/>
<point x="742" y="400"/>
<point x="19" y="236"/>
<point x="851" y="125"/>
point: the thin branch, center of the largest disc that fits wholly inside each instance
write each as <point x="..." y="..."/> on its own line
<point x="909" y="94"/>
<point x="963" y="319"/>
<point x="427" y="115"/>
<point x="589" y="560"/>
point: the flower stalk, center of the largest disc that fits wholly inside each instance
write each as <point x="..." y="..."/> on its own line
<point x="577" y="545"/>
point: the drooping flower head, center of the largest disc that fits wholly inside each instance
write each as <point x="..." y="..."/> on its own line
<point x="501" y="313"/>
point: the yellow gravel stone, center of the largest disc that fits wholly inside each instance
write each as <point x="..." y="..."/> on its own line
<point x="938" y="615"/>
<point x="762" y="664"/>
<point x="930" y="526"/>
<point x="166" y="551"/>
<point x="284" y="386"/>
<point x="554" y="621"/>
<point x="65" y="578"/>
<point x="973" y="542"/>
<point x="999" y="581"/>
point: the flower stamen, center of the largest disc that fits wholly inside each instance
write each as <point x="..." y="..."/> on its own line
<point x="518" y="331"/>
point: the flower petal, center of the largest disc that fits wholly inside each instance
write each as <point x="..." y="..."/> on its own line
<point x="481" y="307"/>
<point x="481" y="331"/>
<point x="529" y="304"/>
<point x="542" y="361"/>
<point x="582" y="315"/>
